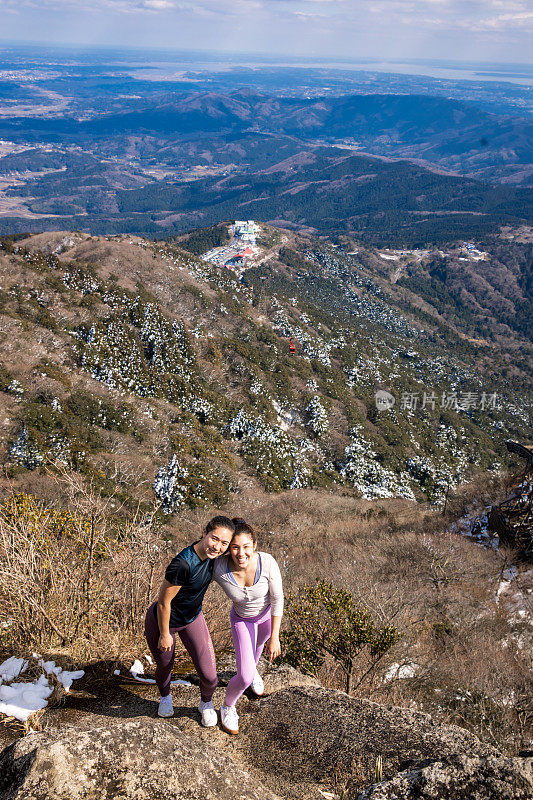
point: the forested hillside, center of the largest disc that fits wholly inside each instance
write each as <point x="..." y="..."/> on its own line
<point x="151" y="371"/>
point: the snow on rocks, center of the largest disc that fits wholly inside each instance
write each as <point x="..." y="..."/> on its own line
<point x="21" y="700"/>
<point x="62" y="676"/>
<point x="513" y="593"/>
<point x="16" y="389"/>
<point x="137" y="669"/>
<point x="365" y="473"/>
<point x="272" y="452"/>
<point x="318" y="416"/>
<point x="66" y="678"/>
<point x="24" y="451"/>
<point x="170" y="485"/>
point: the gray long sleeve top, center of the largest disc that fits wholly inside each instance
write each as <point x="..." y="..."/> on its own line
<point x="249" y="601"/>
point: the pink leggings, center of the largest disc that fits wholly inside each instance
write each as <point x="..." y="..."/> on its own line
<point x="197" y="642"/>
<point x="249" y="637"/>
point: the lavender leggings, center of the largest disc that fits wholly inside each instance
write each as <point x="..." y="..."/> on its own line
<point x="197" y="642"/>
<point x="249" y="637"/>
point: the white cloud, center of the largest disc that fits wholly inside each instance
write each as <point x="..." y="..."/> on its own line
<point x="523" y="20"/>
<point x="158" y="5"/>
<point x="475" y="29"/>
<point x="309" y="15"/>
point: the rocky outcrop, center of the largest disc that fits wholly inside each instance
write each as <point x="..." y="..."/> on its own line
<point x="300" y="742"/>
<point x="460" y="778"/>
<point x="128" y="760"/>
<point x="304" y="738"/>
<point x="284" y="677"/>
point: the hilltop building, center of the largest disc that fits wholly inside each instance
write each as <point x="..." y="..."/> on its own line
<point x="238" y="252"/>
<point x="245" y="230"/>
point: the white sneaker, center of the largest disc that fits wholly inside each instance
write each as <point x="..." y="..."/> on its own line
<point x="166" y="708"/>
<point x="229" y="718"/>
<point x="209" y="715"/>
<point x="257" y="686"/>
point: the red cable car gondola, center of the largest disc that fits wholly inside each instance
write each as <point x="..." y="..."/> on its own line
<point x="292" y="348"/>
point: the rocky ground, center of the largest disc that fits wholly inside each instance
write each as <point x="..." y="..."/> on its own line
<point x="298" y="742"/>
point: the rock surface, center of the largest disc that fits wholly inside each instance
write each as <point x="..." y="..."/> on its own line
<point x="128" y="760"/>
<point x="284" y="676"/>
<point x="305" y="738"/>
<point x="300" y="742"/>
<point x="460" y="778"/>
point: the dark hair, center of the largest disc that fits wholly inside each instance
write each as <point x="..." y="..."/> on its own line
<point x="219" y="522"/>
<point x="241" y="526"/>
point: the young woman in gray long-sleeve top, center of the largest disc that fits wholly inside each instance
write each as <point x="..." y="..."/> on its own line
<point x="252" y="580"/>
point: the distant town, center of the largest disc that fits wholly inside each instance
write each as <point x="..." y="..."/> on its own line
<point x="241" y="248"/>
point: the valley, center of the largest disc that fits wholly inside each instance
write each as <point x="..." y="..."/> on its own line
<point x="390" y="159"/>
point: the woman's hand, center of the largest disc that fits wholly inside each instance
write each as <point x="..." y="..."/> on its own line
<point x="166" y="642"/>
<point x="273" y="648"/>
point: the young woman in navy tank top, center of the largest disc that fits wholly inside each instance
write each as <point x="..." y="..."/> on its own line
<point x="179" y="610"/>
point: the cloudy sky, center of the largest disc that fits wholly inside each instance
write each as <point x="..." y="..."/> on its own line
<point x="462" y="30"/>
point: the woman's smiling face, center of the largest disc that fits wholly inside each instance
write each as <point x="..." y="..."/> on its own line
<point x="241" y="549"/>
<point x="216" y="542"/>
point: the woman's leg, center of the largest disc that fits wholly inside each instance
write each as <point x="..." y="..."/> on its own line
<point x="264" y="629"/>
<point x="163" y="659"/>
<point x="197" y="642"/>
<point x="244" y="634"/>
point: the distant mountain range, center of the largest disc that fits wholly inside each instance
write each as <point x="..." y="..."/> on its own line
<point x="320" y="189"/>
<point x="447" y="133"/>
<point x="162" y="164"/>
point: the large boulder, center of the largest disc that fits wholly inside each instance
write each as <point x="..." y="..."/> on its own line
<point x="460" y="778"/>
<point x="140" y="759"/>
<point x="298" y="743"/>
<point x="303" y="739"/>
<point x="284" y="676"/>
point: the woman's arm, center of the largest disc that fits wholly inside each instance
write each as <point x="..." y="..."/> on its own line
<point x="273" y="646"/>
<point x="166" y="593"/>
<point x="275" y="586"/>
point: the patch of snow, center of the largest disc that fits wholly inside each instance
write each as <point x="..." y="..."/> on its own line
<point x="137" y="668"/>
<point x="63" y="676"/>
<point x="176" y="682"/>
<point x="66" y="678"/>
<point x="401" y="671"/>
<point x="21" y="700"/>
<point x="12" y="668"/>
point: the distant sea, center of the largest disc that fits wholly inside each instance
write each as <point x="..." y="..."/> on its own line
<point x="168" y="64"/>
<point x="163" y="70"/>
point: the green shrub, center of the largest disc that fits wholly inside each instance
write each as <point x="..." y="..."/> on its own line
<point x="5" y="378"/>
<point x="326" y="621"/>
<point x="54" y="372"/>
<point x="99" y="411"/>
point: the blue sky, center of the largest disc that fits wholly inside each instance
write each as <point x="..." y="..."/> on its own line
<point x="462" y="30"/>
